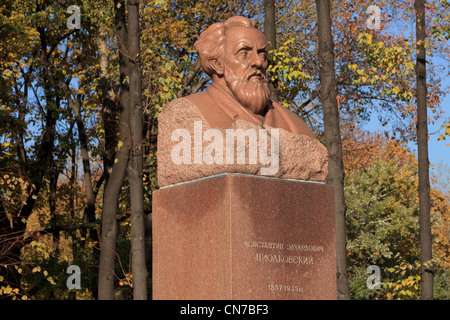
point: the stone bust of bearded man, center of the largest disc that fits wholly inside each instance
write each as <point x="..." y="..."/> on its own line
<point x="234" y="54"/>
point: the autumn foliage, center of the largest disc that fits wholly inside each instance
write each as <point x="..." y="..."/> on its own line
<point x="61" y="95"/>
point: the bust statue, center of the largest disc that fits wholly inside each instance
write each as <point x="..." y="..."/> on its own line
<point x="197" y="133"/>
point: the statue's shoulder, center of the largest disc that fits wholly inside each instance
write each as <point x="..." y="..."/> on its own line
<point x="182" y="112"/>
<point x="199" y="105"/>
<point x="183" y="104"/>
<point x="199" y="98"/>
<point x="279" y="108"/>
<point x="294" y="122"/>
<point x="178" y="106"/>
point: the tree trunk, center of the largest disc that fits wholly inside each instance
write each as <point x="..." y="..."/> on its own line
<point x="270" y="32"/>
<point x="328" y="92"/>
<point x="135" y="164"/>
<point x="422" y="141"/>
<point x="89" y="189"/>
<point x="187" y="79"/>
<point x="109" y="111"/>
<point x="89" y="212"/>
<point x="114" y="184"/>
<point x="53" y="184"/>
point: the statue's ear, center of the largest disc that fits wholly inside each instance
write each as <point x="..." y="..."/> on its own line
<point x="217" y="66"/>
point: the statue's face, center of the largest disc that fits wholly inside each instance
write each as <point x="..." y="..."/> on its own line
<point x="245" y="64"/>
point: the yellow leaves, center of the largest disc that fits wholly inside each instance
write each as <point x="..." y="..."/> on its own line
<point x="9" y="291"/>
<point x="408" y="282"/>
<point x="407" y="293"/>
<point x="162" y="3"/>
<point x="36" y="269"/>
<point x="353" y="67"/>
<point x="420" y="43"/>
<point x="405" y="286"/>
<point x="384" y="65"/>
<point x="446" y="132"/>
<point x="51" y="280"/>
<point x="6" y="73"/>
<point x="19" y="270"/>
<point x="396" y="90"/>
<point x="127" y="280"/>
<point x="16" y="189"/>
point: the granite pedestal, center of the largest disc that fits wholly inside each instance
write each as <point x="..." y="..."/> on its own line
<point x="244" y="237"/>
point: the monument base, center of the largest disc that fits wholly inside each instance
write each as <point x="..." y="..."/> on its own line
<point x="244" y="237"/>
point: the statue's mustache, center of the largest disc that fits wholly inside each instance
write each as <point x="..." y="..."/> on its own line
<point x="258" y="74"/>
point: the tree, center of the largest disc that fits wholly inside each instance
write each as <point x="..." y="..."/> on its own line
<point x="69" y="153"/>
<point x="332" y="138"/>
<point x="422" y="142"/>
<point x="113" y="187"/>
<point x="270" y="32"/>
<point x="41" y="66"/>
<point x="382" y="219"/>
<point x="135" y="163"/>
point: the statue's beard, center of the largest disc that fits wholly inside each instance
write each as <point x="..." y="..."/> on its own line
<point x="252" y="91"/>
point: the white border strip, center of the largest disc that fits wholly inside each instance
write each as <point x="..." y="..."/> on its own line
<point x="237" y="173"/>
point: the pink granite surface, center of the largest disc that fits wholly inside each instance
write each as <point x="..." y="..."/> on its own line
<point x="238" y="236"/>
<point x="300" y="156"/>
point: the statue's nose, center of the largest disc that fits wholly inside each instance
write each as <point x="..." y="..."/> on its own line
<point x="257" y="60"/>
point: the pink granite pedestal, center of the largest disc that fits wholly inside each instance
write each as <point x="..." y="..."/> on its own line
<point x="244" y="237"/>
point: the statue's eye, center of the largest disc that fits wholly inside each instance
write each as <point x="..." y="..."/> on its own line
<point x="242" y="54"/>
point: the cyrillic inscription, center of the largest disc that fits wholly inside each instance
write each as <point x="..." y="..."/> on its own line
<point x="296" y="254"/>
<point x="263" y="244"/>
<point x="283" y="258"/>
<point x="265" y="257"/>
<point x="304" y="247"/>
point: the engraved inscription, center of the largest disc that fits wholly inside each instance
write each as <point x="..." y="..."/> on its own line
<point x="263" y="244"/>
<point x="284" y="287"/>
<point x="304" y="247"/>
<point x="284" y="253"/>
<point x="283" y="258"/>
<point x="265" y="257"/>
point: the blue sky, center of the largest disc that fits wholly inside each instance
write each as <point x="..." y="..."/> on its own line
<point x="438" y="151"/>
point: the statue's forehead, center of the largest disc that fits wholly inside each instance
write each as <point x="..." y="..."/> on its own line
<point x="236" y="34"/>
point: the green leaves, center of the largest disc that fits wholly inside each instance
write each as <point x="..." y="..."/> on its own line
<point x="382" y="223"/>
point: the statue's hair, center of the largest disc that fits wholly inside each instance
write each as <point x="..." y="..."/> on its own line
<point x="210" y="45"/>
